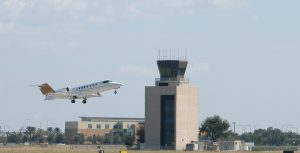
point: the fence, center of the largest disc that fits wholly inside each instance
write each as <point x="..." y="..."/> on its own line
<point x="67" y="147"/>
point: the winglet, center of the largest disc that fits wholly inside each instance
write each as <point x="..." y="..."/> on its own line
<point x="46" y="89"/>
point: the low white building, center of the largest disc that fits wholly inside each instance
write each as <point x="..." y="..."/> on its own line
<point x="248" y="146"/>
<point x="231" y="145"/>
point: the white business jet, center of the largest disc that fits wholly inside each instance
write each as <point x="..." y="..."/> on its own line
<point x="82" y="92"/>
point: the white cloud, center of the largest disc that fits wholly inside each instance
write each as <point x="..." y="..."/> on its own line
<point x="6" y="27"/>
<point x="79" y="5"/>
<point x="32" y="23"/>
<point x="230" y="3"/>
<point x="101" y="11"/>
<point x="254" y="18"/>
<point x="136" y="71"/>
<point x="178" y="3"/>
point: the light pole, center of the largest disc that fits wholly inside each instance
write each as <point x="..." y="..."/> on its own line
<point x="233" y="127"/>
<point x="49" y="122"/>
<point x="26" y="123"/>
<point x="249" y="126"/>
<point x="3" y="127"/>
<point x="22" y="127"/>
<point x="254" y="127"/>
<point x="288" y="128"/>
<point x="282" y="127"/>
<point x="241" y="128"/>
<point x="40" y="123"/>
<point x="8" y="127"/>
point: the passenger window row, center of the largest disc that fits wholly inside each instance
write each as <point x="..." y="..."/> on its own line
<point x="87" y="86"/>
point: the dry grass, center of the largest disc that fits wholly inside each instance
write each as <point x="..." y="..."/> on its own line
<point x="57" y="150"/>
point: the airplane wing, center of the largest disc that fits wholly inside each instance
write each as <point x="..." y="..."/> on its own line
<point x="80" y="95"/>
<point x="94" y="95"/>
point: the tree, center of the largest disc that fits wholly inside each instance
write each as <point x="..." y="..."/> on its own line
<point x="128" y="140"/>
<point x="14" y="137"/>
<point x="51" y="138"/>
<point x="19" y="137"/>
<point x="59" y="138"/>
<point x="248" y="137"/>
<point x="25" y="138"/>
<point x="108" y="139"/>
<point x="230" y="136"/>
<point x="57" y="130"/>
<point x="99" y="139"/>
<point x="58" y="135"/>
<point x="141" y="134"/>
<point x="117" y="139"/>
<point x="37" y="138"/>
<point x="50" y="135"/>
<point x="11" y="137"/>
<point x="94" y="141"/>
<point x="270" y="137"/>
<point x="79" y="138"/>
<point x="30" y="130"/>
<point x="89" y="139"/>
<point x="215" y="127"/>
<point x="293" y="138"/>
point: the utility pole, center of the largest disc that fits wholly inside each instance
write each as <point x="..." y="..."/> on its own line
<point x="234" y="127"/>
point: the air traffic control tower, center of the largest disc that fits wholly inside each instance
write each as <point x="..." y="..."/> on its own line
<point x="171" y="108"/>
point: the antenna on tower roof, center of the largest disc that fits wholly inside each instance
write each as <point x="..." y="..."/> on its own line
<point x="185" y="57"/>
<point x="170" y="54"/>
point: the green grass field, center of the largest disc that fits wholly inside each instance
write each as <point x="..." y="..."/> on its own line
<point x="57" y="150"/>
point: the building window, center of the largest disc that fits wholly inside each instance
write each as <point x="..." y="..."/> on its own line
<point x="167" y="120"/>
<point x="98" y="126"/>
<point x="118" y="126"/>
<point x="90" y="126"/>
<point x="106" y="126"/>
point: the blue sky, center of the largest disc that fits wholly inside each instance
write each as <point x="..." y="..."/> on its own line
<point x="243" y="54"/>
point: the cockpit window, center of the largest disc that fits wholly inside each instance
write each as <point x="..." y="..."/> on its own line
<point x="107" y="81"/>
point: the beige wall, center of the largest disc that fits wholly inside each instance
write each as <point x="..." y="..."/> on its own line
<point x="84" y="124"/>
<point x="187" y="114"/>
<point x="152" y="114"/>
<point x="91" y="132"/>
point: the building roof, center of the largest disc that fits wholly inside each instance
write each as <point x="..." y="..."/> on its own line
<point x="111" y="119"/>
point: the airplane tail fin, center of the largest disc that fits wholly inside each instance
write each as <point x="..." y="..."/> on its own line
<point x="46" y="89"/>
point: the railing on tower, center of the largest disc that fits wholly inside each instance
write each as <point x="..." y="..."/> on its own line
<point x="183" y="80"/>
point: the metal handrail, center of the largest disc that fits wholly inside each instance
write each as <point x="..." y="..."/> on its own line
<point x="173" y="79"/>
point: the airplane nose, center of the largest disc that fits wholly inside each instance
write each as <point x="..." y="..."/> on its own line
<point x="119" y="84"/>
